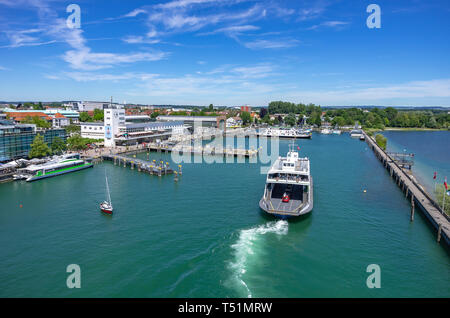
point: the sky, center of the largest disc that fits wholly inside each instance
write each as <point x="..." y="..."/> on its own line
<point x="226" y="52"/>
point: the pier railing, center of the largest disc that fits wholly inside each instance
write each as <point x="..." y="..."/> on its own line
<point x="418" y="186"/>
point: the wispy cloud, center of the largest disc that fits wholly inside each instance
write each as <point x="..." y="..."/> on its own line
<point x="330" y="24"/>
<point x="271" y="44"/>
<point x="2" y="68"/>
<point x="438" y="88"/>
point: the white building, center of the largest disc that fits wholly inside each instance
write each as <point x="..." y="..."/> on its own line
<point x="116" y="130"/>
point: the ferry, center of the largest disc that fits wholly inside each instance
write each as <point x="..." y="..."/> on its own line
<point x="289" y="186"/>
<point x="285" y="133"/>
<point x="356" y="133"/>
<point x="55" y="167"/>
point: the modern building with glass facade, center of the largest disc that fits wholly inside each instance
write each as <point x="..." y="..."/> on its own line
<point x="16" y="139"/>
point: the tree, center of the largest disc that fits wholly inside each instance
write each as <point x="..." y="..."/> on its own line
<point x="58" y="145"/>
<point x="84" y="117"/>
<point x="39" y="148"/>
<point x="154" y="114"/>
<point x="290" y="120"/>
<point x="211" y="108"/>
<point x="76" y="142"/>
<point x="262" y="112"/>
<point x="38" y="121"/>
<point x="381" y="141"/>
<point x="71" y="129"/>
<point x="98" y="114"/>
<point x="246" y="118"/>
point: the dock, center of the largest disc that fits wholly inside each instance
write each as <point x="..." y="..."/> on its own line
<point x="418" y="196"/>
<point x="151" y="167"/>
<point x="203" y="150"/>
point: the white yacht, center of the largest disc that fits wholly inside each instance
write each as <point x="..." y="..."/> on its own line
<point x="285" y="133"/>
<point x="289" y="186"/>
<point x="325" y="131"/>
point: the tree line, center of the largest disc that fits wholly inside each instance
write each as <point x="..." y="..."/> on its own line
<point x="378" y="118"/>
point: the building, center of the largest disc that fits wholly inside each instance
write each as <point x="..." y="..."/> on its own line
<point x="57" y="117"/>
<point x="117" y="130"/>
<point x="203" y="121"/>
<point x="73" y="116"/>
<point x="85" y="106"/>
<point x="246" y="109"/>
<point x="20" y="116"/>
<point x="16" y="139"/>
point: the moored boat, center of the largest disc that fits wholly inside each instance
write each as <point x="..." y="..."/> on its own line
<point x="57" y="166"/>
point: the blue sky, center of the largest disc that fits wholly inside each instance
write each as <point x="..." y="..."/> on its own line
<point x="227" y="52"/>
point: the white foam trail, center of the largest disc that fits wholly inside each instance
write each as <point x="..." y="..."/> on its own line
<point x="243" y="247"/>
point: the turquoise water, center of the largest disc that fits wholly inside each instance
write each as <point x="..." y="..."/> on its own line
<point x="206" y="237"/>
<point x="432" y="154"/>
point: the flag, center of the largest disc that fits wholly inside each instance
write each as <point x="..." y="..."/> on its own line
<point x="445" y="184"/>
<point x="434" y="177"/>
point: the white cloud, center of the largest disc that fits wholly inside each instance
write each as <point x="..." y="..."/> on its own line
<point x="415" y="90"/>
<point x="84" y="59"/>
<point x="331" y="24"/>
<point x="271" y="44"/>
<point x="139" y="40"/>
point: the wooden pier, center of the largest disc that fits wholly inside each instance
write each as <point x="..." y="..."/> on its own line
<point x="158" y="168"/>
<point x="418" y="196"/>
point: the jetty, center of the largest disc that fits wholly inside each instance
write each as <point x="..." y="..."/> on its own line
<point x="203" y="150"/>
<point x="419" y="197"/>
<point x="158" y="168"/>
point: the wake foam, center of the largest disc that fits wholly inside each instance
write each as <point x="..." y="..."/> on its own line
<point x="244" y="248"/>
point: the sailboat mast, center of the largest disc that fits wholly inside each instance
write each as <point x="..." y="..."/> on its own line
<point x="107" y="189"/>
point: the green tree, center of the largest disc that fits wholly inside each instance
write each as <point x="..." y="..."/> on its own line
<point x="58" y="145"/>
<point x="71" y="129"/>
<point x="246" y="118"/>
<point x="154" y="114"/>
<point x="39" y="148"/>
<point x="290" y="120"/>
<point x="98" y="114"/>
<point x="84" y="117"/>
<point x="381" y="141"/>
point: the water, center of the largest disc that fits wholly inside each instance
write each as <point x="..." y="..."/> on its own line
<point x="432" y="154"/>
<point x="206" y="237"/>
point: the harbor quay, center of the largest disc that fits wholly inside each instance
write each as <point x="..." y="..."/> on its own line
<point x="418" y="196"/>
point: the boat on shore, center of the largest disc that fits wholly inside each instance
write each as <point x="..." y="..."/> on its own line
<point x="55" y="167"/>
<point x="289" y="186"/>
<point x="106" y="206"/>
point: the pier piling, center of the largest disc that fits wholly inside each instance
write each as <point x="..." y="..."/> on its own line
<point x="430" y="208"/>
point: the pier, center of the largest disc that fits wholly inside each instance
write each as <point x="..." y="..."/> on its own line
<point x="154" y="168"/>
<point x="203" y="150"/>
<point x="433" y="212"/>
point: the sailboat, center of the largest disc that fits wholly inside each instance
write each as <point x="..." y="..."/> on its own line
<point x="106" y="206"/>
